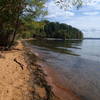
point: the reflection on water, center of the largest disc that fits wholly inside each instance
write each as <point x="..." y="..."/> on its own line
<point x="80" y="73"/>
<point x="59" y="45"/>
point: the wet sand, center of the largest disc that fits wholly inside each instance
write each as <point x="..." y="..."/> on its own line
<point x="61" y="92"/>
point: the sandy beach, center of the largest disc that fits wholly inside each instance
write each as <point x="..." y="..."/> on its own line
<point x="22" y="79"/>
<point x="18" y="78"/>
<point x="14" y="83"/>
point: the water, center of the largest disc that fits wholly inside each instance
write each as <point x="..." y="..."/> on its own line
<point x="77" y="62"/>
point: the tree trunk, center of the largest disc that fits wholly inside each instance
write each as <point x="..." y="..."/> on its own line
<point x="15" y="31"/>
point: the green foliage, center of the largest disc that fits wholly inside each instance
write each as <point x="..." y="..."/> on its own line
<point x="64" y="31"/>
<point x="10" y="11"/>
<point x="46" y="29"/>
<point x="15" y="14"/>
<point x="33" y="28"/>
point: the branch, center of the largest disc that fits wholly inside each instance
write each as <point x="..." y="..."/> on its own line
<point x="21" y="65"/>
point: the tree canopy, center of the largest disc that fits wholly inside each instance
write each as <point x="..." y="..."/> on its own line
<point x="48" y="29"/>
<point x="12" y="14"/>
<point x="65" y="4"/>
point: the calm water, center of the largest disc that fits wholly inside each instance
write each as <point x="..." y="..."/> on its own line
<point x="77" y="62"/>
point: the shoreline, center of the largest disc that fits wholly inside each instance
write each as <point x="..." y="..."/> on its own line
<point x="59" y="91"/>
<point x="25" y="77"/>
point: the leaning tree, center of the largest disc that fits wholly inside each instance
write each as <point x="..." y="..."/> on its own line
<point x="11" y="14"/>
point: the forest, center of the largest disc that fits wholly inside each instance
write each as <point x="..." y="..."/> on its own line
<point x="47" y="29"/>
<point x="63" y="31"/>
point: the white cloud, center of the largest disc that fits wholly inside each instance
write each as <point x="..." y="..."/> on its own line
<point x="54" y="11"/>
<point x="91" y="13"/>
<point x="60" y="14"/>
<point x="95" y="4"/>
<point x="88" y="24"/>
<point x="85" y="22"/>
<point x="92" y="2"/>
<point x="50" y="16"/>
<point x="68" y="13"/>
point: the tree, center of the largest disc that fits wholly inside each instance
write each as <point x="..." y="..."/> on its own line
<point x="63" y="31"/>
<point x="9" y="18"/>
<point x="12" y="12"/>
<point x="65" y="4"/>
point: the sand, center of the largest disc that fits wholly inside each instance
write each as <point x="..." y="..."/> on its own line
<point x="60" y="92"/>
<point x="22" y="79"/>
<point x="17" y="79"/>
<point x="14" y="83"/>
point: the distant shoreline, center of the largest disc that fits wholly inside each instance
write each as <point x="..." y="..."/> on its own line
<point x="58" y="39"/>
<point x="92" y="38"/>
<point x="72" y="39"/>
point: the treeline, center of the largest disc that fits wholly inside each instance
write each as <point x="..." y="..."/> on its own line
<point x="56" y="30"/>
<point x="64" y="31"/>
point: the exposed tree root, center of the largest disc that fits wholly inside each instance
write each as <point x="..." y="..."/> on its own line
<point x="21" y="65"/>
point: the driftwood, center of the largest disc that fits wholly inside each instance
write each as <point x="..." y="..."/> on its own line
<point x="21" y="65"/>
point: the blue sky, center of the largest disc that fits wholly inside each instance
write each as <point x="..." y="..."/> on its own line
<point x="86" y="18"/>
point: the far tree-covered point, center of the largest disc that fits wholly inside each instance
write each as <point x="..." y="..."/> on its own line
<point x="63" y="31"/>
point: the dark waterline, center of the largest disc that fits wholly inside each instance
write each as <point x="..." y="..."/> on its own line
<point x="77" y="62"/>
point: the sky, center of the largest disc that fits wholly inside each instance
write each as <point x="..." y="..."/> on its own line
<point x="87" y="18"/>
